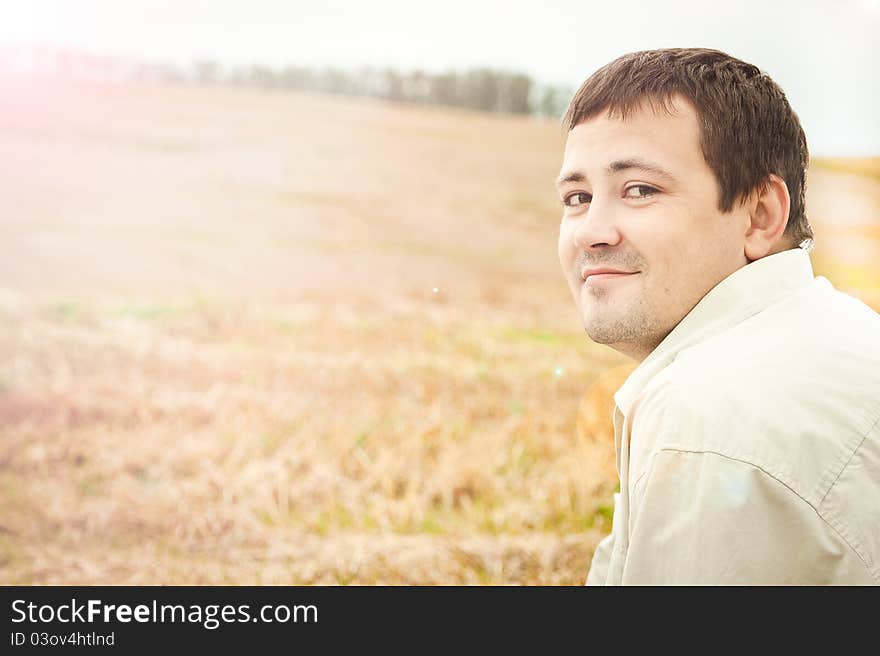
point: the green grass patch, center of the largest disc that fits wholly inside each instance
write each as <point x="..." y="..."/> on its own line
<point x="538" y="336"/>
<point x="146" y="311"/>
<point x="66" y="311"/>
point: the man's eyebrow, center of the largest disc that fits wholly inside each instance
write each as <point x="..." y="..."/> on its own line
<point x="621" y="165"/>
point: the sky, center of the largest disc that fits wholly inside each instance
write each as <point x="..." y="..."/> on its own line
<point x="824" y="54"/>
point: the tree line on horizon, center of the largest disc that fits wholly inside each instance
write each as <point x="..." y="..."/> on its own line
<point x="483" y="89"/>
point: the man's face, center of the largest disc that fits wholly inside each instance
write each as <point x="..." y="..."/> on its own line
<point x="642" y="200"/>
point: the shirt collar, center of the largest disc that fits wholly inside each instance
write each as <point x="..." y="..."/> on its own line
<point x="743" y="293"/>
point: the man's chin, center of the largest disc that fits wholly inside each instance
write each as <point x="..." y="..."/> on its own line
<point x="605" y="327"/>
<point x="602" y="333"/>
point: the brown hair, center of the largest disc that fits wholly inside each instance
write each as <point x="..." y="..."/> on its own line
<point x="748" y="129"/>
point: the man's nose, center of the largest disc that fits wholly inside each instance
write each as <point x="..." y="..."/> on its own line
<point x="599" y="226"/>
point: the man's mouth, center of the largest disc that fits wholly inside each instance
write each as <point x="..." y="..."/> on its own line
<point x="602" y="274"/>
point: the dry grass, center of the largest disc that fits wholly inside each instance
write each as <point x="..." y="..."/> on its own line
<point x="222" y="358"/>
<point x="245" y="444"/>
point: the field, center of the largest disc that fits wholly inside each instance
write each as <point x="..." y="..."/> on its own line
<point x="255" y="337"/>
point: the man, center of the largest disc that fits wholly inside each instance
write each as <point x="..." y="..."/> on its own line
<point x="748" y="437"/>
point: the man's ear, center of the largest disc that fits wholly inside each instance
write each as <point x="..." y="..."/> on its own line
<point x="768" y="216"/>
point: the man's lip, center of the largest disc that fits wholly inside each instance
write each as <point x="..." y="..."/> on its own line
<point x="586" y="272"/>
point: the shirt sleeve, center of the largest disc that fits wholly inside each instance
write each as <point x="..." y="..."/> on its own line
<point x="700" y="518"/>
<point x="598" y="574"/>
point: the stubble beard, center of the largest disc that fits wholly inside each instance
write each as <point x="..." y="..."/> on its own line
<point x="610" y="321"/>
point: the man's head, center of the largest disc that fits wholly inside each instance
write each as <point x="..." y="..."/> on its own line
<point x="680" y="167"/>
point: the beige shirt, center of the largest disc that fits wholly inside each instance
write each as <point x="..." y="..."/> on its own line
<point x="748" y="441"/>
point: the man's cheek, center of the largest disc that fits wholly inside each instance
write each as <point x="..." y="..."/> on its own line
<point x="562" y="252"/>
<point x="567" y="257"/>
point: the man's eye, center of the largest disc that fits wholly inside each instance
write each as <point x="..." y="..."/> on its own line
<point x="577" y="198"/>
<point x="644" y="191"/>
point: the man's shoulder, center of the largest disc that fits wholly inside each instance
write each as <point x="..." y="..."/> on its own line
<point x="815" y="315"/>
<point x="792" y="390"/>
<point x="819" y="340"/>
